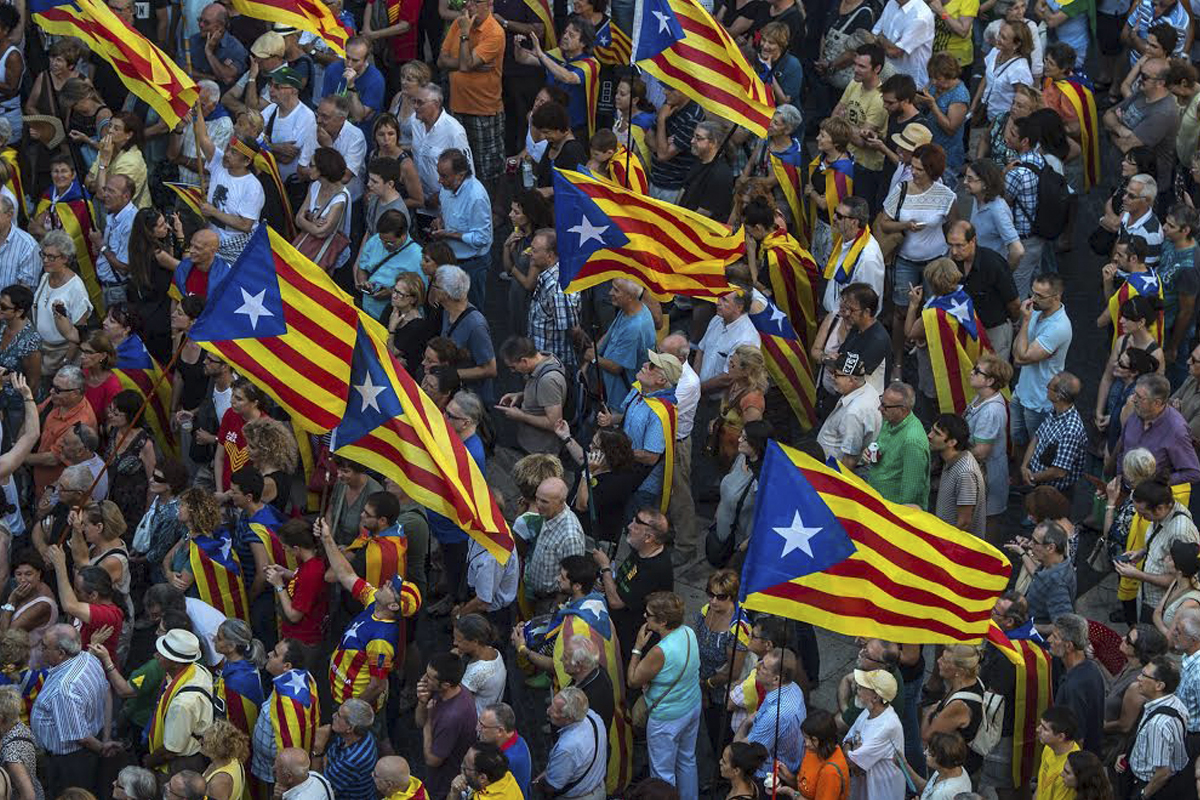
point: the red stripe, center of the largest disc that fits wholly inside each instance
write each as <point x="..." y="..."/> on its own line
<point x="862" y="570"/>
<point x="1032" y="705"/>
<point x="658" y="281"/>
<point x="774" y="347"/>
<point x="288" y="395"/>
<point x="281" y="347"/>
<point x="602" y="191"/>
<point x="734" y="102"/>
<point x="947" y="327"/>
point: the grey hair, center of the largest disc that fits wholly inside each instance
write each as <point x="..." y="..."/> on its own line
<point x="11" y="705"/>
<point x="138" y="783"/>
<point x="582" y="653"/>
<point x="630" y="287"/>
<point x="436" y="91"/>
<point x="209" y="89"/>
<point x="574" y="703"/>
<point x="339" y="103"/>
<point x="713" y="130"/>
<point x="1054" y="536"/>
<point x="454" y="281"/>
<point x="64" y="637"/>
<point x="471" y="406"/>
<point x="1189" y="624"/>
<point x="359" y="714"/>
<point x="506" y="718"/>
<point x="906" y="393"/>
<point x="6" y="203"/>
<point x="683" y="350"/>
<point x="238" y="634"/>
<point x="1139" y="462"/>
<point x="1073" y="628"/>
<point x="1149" y="185"/>
<point x="792" y="118"/>
<point x="1158" y="387"/>
<point x="76" y="478"/>
<point x="60" y="241"/>
<point x="72" y="373"/>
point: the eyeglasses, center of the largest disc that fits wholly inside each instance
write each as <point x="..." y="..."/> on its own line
<point x="889" y="406"/>
<point x="717" y="596"/>
<point x="977" y="371"/>
<point x="840" y="215"/>
<point x="398" y="293"/>
<point x="47" y="256"/>
<point x="61" y="390"/>
<point x="457" y="417"/>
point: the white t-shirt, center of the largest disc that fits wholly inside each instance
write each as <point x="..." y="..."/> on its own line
<point x="1001" y="80"/>
<point x="353" y="146"/>
<point x="931" y="207"/>
<point x="73" y="294"/>
<point x="881" y="738"/>
<point x="298" y="128"/>
<point x="719" y="342"/>
<point x="243" y="197"/>
<point x="222" y="400"/>
<point x="910" y="28"/>
<point x="205" y="621"/>
<point x="868" y="269"/>
<point x="486" y="680"/>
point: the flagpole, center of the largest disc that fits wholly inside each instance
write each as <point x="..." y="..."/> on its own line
<point x="86" y="497"/>
<point x="775" y="753"/>
<point x="725" y="701"/>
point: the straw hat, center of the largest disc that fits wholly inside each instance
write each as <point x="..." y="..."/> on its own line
<point x="46" y="128"/>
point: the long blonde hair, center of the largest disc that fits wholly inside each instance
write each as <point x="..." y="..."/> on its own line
<point x="755" y="367"/>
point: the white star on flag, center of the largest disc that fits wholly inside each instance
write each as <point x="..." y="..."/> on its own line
<point x="226" y="546"/>
<point x="777" y="315"/>
<point x="297" y="683"/>
<point x="370" y="393"/>
<point x="587" y="231"/>
<point x="664" y="22"/>
<point x="594" y="606"/>
<point x="797" y="537"/>
<point x="252" y="306"/>
<point x="352" y="631"/>
<point x="958" y="310"/>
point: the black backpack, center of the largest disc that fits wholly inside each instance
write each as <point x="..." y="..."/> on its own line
<point x="1052" y="202"/>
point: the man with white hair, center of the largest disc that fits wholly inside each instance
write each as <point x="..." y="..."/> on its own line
<point x="581" y="661"/>
<point x="19" y="261"/>
<point x="67" y="406"/>
<point x="682" y="510"/>
<point x="181" y="150"/>
<point x="579" y="760"/>
<point x="465" y="221"/>
<point x="620" y="352"/>
<point x="727" y="331"/>
<point x="69" y="714"/>
<point x="467" y="327"/>
<point x="349" y="748"/>
<point x="135" y="783"/>
<point x="334" y="129"/>
<point x="289" y="124"/>
<point x="1185" y="640"/>
<point x="435" y="133"/>
<point x="112" y="246"/>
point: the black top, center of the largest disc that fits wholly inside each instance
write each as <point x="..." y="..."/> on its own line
<point x="1082" y="690"/>
<point x="872" y="345"/>
<point x="572" y="155"/>
<point x="195" y="383"/>
<point x="637" y="579"/>
<point x="599" y="691"/>
<point x="709" y="186"/>
<point x="990" y="286"/>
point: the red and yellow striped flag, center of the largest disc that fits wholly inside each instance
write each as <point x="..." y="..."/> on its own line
<point x="792" y="275"/>
<point x="612" y="47"/>
<point x="72" y="213"/>
<point x="137" y="370"/>
<point x="218" y="574"/>
<point x="303" y="15"/>
<point x="956" y="340"/>
<point x="147" y="71"/>
<point x="544" y="11"/>
<point x="1144" y="284"/>
<point x="839" y="184"/>
<point x="295" y="710"/>
<point x="189" y="194"/>
<point x="1083" y="101"/>
<point x="1031" y="697"/>
<point x="634" y="178"/>
<point x="385" y="555"/>
<point x="787" y="362"/>
<point x="587" y="69"/>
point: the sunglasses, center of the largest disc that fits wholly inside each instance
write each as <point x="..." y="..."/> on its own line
<point x="715" y="596"/>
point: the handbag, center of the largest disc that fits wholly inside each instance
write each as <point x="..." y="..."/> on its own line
<point x="889" y="243"/>
<point x="718" y="551"/>
<point x="324" y="251"/>
<point x="640" y="715"/>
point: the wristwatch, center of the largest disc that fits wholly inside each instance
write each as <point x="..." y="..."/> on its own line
<point x="9" y="607"/>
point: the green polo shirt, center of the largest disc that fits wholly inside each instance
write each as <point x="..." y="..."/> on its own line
<point x="901" y="473"/>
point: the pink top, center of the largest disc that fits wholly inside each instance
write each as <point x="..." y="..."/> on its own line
<point x="100" y="396"/>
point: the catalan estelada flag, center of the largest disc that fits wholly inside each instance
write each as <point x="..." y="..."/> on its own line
<point x="144" y="69"/>
<point x="792" y="275"/>
<point x="15" y="182"/>
<point x="191" y="195"/>
<point x="1145" y="284"/>
<point x="72" y="212"/>
<point x="295" y="709"/>
<point x="263" y="162"/>
<point x="679" y="43"/>
<point x="829" y="550"/>
<point x="242" y="690"/>
<point x="956" y="340"/>
<point x="606" y="231"/>
<point x="786" y="165"/>
<point x="136" y="369"/>
<point x="29" y="683"/>
<point x="303" y="15"/>
<point x="544" y="11"/>
<point x="280" y="321"/>
<point x="385" y="555"/>
<point x="587" y="69"/>
<point x="263" y="524"/>
<point x="1083" y="101"/>
<point x="158" y="720"/>
<point x="1027" y="652"/>
<point x="612" y="46"/>
<point x="218" y="573"/>
<point x="391" y="426"/>
<point x="839" y="184"/>
<point x="787" y="362"/>
<point x="664" y="410"/>
<point x="626" y="169"/>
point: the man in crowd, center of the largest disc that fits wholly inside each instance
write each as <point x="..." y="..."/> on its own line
<point x="580" y="755"/>
<point x="19" y="251"/>
<point x="620" y="350"/>
<point x="988" y="280"/>
<point x="1159" y="748"/>
<point x="485" y="769"/>
<point x="671" y="144"/>
<point x="862" y="106"/>
<point x="359" y="81"/>
<point x="1147" y="118"/>
<point x="855" y="421"/>
<point x="1082" y="685"/>
<point x="1170" y="522"/>
<point x="708" y="188"/>
<point x="1158" y="427"/>
<point x="776" y="723"/>
<point x="112" y="246"/>
<point x="552" y="312"/>
<point x="466" y="220"/>
<point x="67" y="408"/>
<point x="656" y="379"/>
<point x="962" y="491"/>
<point x="473" y="54"/>
<point x="294" y="777"/>
<point x="561" y="535"/>
<point x="434" y="131"/>
<point x="1054" y="456"/>
<point x="646" y="570"/>
<point x="859" y="260"/>
<point x="900" y="457"/>
<point x="465" y="324"/>
<point x="1051" y="592"/>
<point x="729" y="329"/>
<point x="1040" y="349"/>
<point x="291" y="124"/>
<point x="497" y="725"/>
<point x="682" y="510"/>
<point x="537" y="410"/>
<point x="446" y="715"/>
<point x="1180" y="281"/>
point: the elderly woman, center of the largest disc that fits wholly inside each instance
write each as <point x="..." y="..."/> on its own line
<point x="350" y="495"/>
<point x="227" y="750"/>
<point x="777" y="68"/>
<point x="722" y="633"/>
<point x="272" y="449"/>
<point x="136" y="783"/>
<point x="1123" y="700"/>
<point x="61" y="304"/>
<point x="346" y="750"/>
<point x="991" y="215"/>
<point x="120" y="153"/>
<point x="34" y="608"/>
<point x="409" y="327"/>
<point x="1184" y="591"/>
<point x="242" y="657"/>
<point x="485" y="676"/>
<point x="670" y="673"/>
<point x="743" y="401"/>
<point x="945" y="754"/>
<point x="782" y="142"/>
<point x="1125" y="527"/>
<point x="874" y="739"/>
<point x="130" y="454"/>
<point x="159" y="528"/>
<point x="16" y="747"/>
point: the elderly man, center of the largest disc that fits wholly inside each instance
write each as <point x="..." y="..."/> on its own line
<point x="112" y="246"/>
<point x="728" y="330"/>
<point x="782" y="711"/>
<point x="295" y="780"/>
<point x="1147" y="118"/>
<point x="708" y="187"/>
<point x="656" y="380"/>
<point x="1055" y="454"/>
<point x="292" y="124"/>
<point x="54" y="507"/>
<point x="394" y="781"/>
<point x="485" y="772"/>
<point x="285" y="672"/>
<point x="1138" y="219"/>
<point x="79" y="446"/>
<point x="552" y="312"/>
<point x="579" y="758"/>
<point x="905" y="32"/>
<point x="181" y="148"/>
<point x="434" y="132"/>
<point x="988" y="281"/>
<point x="359" y="81"/>
<point x="201" y="266"/>
<point x="216" y="53"/>
<point x="135" y="783"/>
<point x="1162" y="430"/>
<point x="446" y="715"/>
<point x="1180" y="285"/>
<point x="19" y="262"/>
<point x="1170" y="521"/>
<point x="1040" y="349"/>
<point x="69" y="714"/>
<point x="465" y="222"/>
<point x="498" y="725"/>
<point x="962" y="491"/>
<point x="619" y="351"/>
<point x="1051" y="592"/>
<point x="181" y="716"/>
<point x="1158" y="754"/>
<point x="682" y="509"/>
<point x="859" y="259"/>
<point x="900" y="458"/>
<point x="266" y="55"/>
<point x="346" y="750"/>
<point x="856" y="420"/>
<point x="581" y="662"/>
<point x="473" y="54"/>
<point x="1082" y="685"/>
<point x="67" y="407"/>
<point x="561" y="535"/>
<point x="538" y="408"/>
<point x="186" y="784"/>
<point x="235" y="197"/>
<point x="334" y="130"/>
<point x="465" y="324"/>
<point x="647" y="569"/>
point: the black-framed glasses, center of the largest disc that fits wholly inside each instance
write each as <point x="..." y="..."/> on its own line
<point x="47" y="256"/>
<point x="889" y="406"/>
<point x="717" y="596"/>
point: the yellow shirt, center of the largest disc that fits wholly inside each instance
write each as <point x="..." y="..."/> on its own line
<point x="961" y="47"/>
<point x="504" y="789"/>
<point x="862" y="109"/>
<point x="236" y="773"/>
<point x="1050" y="783"/>
<point x="415" y="791"/>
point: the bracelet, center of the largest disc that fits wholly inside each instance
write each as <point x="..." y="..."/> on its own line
<point x="9" y="607"/>
<point x="1110" y="508"/>
<point x="280" y="589"/>
<point x="319" y="755"/>
<point x="637" y="652"/>
<point x="522" y="649"/>
<point x="605" y="569"/>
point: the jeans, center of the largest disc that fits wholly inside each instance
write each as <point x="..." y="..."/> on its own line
<point x="1023" y="422"/>
<point x="477" y="270"/>
<point x="1030" y="264"/>
<point x="672" y="746"/>
<point x="914" y="748"/>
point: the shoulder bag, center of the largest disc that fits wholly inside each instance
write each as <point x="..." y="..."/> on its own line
<point x="640" y="715"/>
<point x="324" y="251"/>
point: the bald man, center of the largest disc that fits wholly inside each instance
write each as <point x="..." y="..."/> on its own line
<point x="187" y="784"/>
<point x="202" y="265"/>
<point x="622" y="349"/>
<point x="394" y="780"/>
<point x="561" y="536"/>
<point x="294" y="778"/>
<point x="682" y="511"/>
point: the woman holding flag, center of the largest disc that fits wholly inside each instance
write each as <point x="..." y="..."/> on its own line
<point x="830" y="181"/>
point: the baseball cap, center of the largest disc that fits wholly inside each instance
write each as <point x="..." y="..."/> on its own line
<point x="879" y="681"/>
<point x="850" y="364"/>
<point x="668" y="363"/>
<point x="285" y="76"/>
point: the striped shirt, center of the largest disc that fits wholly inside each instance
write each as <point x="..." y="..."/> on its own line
<point x="19" y="259"/>
<point x="782" y="710"/>
<point x="1146" y="227"/>
<point x="1160" y="739"/>
<point x="1189" y="689"/>
<point x="70" y="706"/>
<point x="349" y="766"/>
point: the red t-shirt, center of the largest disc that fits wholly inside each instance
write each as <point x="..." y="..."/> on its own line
<point x="101" y="395"/>
<point x="197" y="282"/>
<point x="310" y="596"/>
<point x="235" y="453"/>
<point x="101" y="615"/>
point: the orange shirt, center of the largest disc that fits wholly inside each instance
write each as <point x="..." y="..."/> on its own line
<point x="824" y="780"/>
<point x="57" y="423"/>
<point x="1053" y="98"/>
<point x="477" y="92"/>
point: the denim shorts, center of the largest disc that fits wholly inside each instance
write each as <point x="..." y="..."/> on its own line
<point x="907" y="273"/>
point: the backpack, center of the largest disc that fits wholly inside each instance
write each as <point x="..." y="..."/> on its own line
<point x="569" y="402"/>
<point x="1052" y="193"/>
<point x="991" y="727"/>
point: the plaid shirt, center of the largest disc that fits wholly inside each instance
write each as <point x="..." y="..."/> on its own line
<point x="1061" y="442"/>
<point x="561" y="536"/>
<point x="1021" y="189"/>
<point x="1189" y="689"/>
<point x="553" y="312"/>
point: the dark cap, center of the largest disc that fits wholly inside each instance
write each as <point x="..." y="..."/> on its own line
<point x="286" y="76"/>
<point x="850" y="364"/>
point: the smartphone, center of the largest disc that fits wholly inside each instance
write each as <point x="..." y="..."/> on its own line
<point x="1123" y="558"/>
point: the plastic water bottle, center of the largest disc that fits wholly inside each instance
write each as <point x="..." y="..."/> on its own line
<point x="527" y="173"/>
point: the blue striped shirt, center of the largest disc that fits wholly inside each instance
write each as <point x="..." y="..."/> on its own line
<point x="70" y="706"/>
<point x="349" y="767"/>
<point x="1189" y="689"/>
<point x="785" y="707"/>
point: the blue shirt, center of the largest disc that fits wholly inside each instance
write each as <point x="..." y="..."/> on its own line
<point x="117" y="229"/>
<point x="994" y="228"/>
<point x="1053" y="333"/>
<point x="952" y="143"/>
<point x="469" y="212"/>
<point x="384" y="266"/>
<point x="645" y="432"/>
<point x="520" y="764"/>
<point x="229" y="49"/>
<point x="785" y="705"/>
<point x="1189" y="689"/>
<point x="1076" y="31"/>
<point x="471" y="333"/>
<point x="369" y="86"/>
<point x="441" y="527"/>
<point x="349" y="767"/>
<point x="626" y="343"/>
<point x="573" y="753"/>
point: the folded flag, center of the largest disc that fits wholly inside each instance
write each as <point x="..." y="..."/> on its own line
<point x="679" y="43"/>
<point x="787" y="362"/>
<point x="1083" y="102"/>
<point x="16" y="183"/>
<point x="313" y="16"/>
<point x="606" y="231"/>
<point x="1145" y="284"/>
<point x="1027" y="651"/>
<point x="218" y="573"/>
<point x="829" y="550"/>
<point x="792" y="275"/>
<point x="136" y="369"/>
<point x="956" y="340"/>
<point x="786" y="166"/>
<point x="295" y="710"/>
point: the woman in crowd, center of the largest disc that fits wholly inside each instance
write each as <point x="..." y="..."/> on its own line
<point x="1025" y="100"/>
<point x="405" y="319"/>
<point x="17" y="750"/>
<point x="60" y="302"/>
<point x="945" y="102"/>
<point x="92" y="599"/>
<point x="739" y="487"/>
<point x="830" y="178"/>
<point x="120" y="153"/>
<point x="20" y="351"/>
<point x="414" y="76"/>
<point x="326" y="211"/>
<point x="302" y="595"/>
<point x="1123" y="700"/>
<point x="943" y="278"/>
<point x="1084" y="773"/>
<point x="530" y="212"/>
<point x="130" y="455"/>
<point x="824" y="773"/>
<point x="777" y="68"/>
<point x="35" y="608"/>
<point x="97" y="539"/>
<point x="1184" y="592"/>
<point x="1005" y="67"/>
<point x="349" y="497"/>
<point x="782" y="142"/>
<point x="991" y="215"/>
<point x="64" y="57"/>
<point x="156" y="246"/>
<point x="564" y="151"/>
<point x="388" y="136"/>
<point x="743" y="400"/>
<point x="1126" y="528"/>
<point x="961" y="710"/>
<point x="86" y="117"/>
<point x="722" y="633"/>
<point x="987" y="417"/>
<point x="98" y="356"/>
<point x="945" y="755"/>
<point x="242" y="658"/>
<point x="670" y="673"/>
<point x="228" y="750"/>
<point x="1117" y="399"/>
<point x="385" y="255"/>
<point x="272" y="449"/>
<point x="485" y="676"/>
<point x="739" y="763"/>
<point x="247" y="403"/>
<point x="613" y="475"/>
<point x="632" y="108"/>
<point x="1140" y="160"/>
<point x="191" y="385"/>
<point x="875" y="738"/>
<point x="160" y="528"/>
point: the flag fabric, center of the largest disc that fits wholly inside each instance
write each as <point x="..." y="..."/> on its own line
<point x="393" y="11"/>
<point x="390" y="425"/>
<point x="1027" y="652"/>
<point x="191" y="195"/>
<point x="606" y="231"/>
<point x="295" y="710"/>
<point x="218" y="573"/>
<point x="313" y="16"/>
<point x="72" y="212"/>
<point x="634" y="178"/>
<point x="371" y="647"/>
<point x="136" y="369"/>
<point x="29" y="683"/>
<point x="679" y="43"/>
<point x="241" y="689"/>
<point x="664" y="409"/>
<point x="792" y="275"/>
<point x="280" y="321"/>
<point x="786" y="166"/>
<point x="263" y="524"/>
<point x="956" y="339"/>
<point x="264" y="164"/>
<point x="544" y="11"/>
<point x="1145" y="284"/>
<point x="15" y="182"/>
<point x="640" y="125"/>
<point x="787" y="362"/>
<point x="839" y="184"/>
<point x="842" y="269"/>
<point x="612" y="46"/>
<point x="829" y="550"/>
<point x="158" y="720"/>
<point x="385" y="555"/>
<point x="752" y="693"/>
<point x="1083" y="101"/>
<point x="588" y="70"/>
<point x="145" y="70"/>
